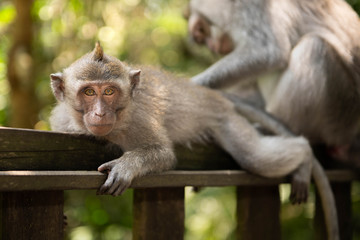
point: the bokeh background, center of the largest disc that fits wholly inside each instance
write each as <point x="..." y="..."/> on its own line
<point x="39" y="37"/>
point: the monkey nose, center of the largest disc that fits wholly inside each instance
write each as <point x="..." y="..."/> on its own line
<point x="99" y="114"/>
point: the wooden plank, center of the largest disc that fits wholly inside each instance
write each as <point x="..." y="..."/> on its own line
<point x="50" y="180"/>
<point x="24" y="149"/>
<point x="257" y="212"/>
<point x="67" y="180"/>
<point x="32" y="215"/>
<point x="342" y="193"/>
<point x="204" y="157"/>
<point x="342" y="175"/>
<point x="159" y="214"/>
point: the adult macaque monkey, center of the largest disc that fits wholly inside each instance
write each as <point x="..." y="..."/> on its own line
<point x="146" y="111"/>
<point x="306" y="55"/>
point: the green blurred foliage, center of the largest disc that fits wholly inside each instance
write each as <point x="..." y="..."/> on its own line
<point x="93" y="217"/>
<point x="210" y="213"/>
<point x="144" y="32"/>
<point x="7" y="15"/>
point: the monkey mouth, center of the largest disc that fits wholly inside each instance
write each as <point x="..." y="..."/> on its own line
<point x="100" y="125"/>
<point x="100" y="129"/>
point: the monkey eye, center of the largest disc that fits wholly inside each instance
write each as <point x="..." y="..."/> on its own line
<point x="109" y="91"/>
<point x="89" y="92"/>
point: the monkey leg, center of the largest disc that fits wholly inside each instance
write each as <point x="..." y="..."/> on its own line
<point x="320" y="179"/>
<point x="315" y="96"/>
<point x="268" y="156"/>
<point x="302" y="175"/>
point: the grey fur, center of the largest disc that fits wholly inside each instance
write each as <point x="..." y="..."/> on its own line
<point x="163" y="110"/>
<point x="312" y="45"/>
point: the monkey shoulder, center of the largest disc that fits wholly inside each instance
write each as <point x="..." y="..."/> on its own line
<point x="178" y="92"/>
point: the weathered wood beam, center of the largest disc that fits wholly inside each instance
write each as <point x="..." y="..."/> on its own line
<point x="257" y="213"/>
<point x="24" y="149"/>
<point x="32" y="215"/>
<point x="68" y="180"/>
<point x="159" y="214"/>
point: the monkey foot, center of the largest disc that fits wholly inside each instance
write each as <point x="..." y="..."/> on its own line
<point x="299" y="192"/>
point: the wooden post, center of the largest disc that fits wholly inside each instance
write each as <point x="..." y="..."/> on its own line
<point x="258" y="211"/>
<point x="33" y="215"/>
<point x="342" y="194"/>
<point x="158" y="214"/>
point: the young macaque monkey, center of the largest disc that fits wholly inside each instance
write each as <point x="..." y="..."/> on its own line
<point x="305" y="55"/>
<point x="146" y="111"/>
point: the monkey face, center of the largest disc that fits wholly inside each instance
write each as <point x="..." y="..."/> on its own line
<point x="97" y="88"/>
<point x="203" y="31"/>
<point x="100" y="104"/>
<point x="220" y="45"/>
<point x="199" y="29"/>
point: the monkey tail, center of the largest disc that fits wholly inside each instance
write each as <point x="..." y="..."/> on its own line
<point x="321" y="181"/>
<point x="328" y="202"/>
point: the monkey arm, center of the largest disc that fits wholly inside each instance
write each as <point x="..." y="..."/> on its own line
<point x="137" y="162"/>
<point x="240" y="64"/>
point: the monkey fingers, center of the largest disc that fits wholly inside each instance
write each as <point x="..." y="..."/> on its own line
<point x="117" y="181"/>
<point x="104" y="189"/>
<point x="106" y="167"/>
<point x="123" y="185"/>
<point x="114" y="185"/>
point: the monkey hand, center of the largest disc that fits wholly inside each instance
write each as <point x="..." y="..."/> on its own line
<point x="200" y="80"/>
<point x="206" y="80"/>
<point x="119" y="177"/>
<point x="194" y="80"/>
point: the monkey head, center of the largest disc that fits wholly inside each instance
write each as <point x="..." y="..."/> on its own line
<point x="204" y="30"/>
<point x="98" y="88"/>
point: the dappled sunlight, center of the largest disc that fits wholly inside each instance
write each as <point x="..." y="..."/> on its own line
<point x="160" y="37"/>
<point x="42" y="125"/>
<point x="81" y="233"/>
<point x="210" y="213"/>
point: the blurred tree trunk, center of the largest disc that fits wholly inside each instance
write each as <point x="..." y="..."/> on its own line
<point x="24" y="104"/>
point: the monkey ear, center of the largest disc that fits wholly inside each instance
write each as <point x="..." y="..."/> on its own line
<point x="57" y="85"/>
<point x="134" y="78"/>
<point x="98" y="52"/>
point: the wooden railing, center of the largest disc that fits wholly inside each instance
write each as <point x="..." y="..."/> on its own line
<point x="36" y="167"/>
